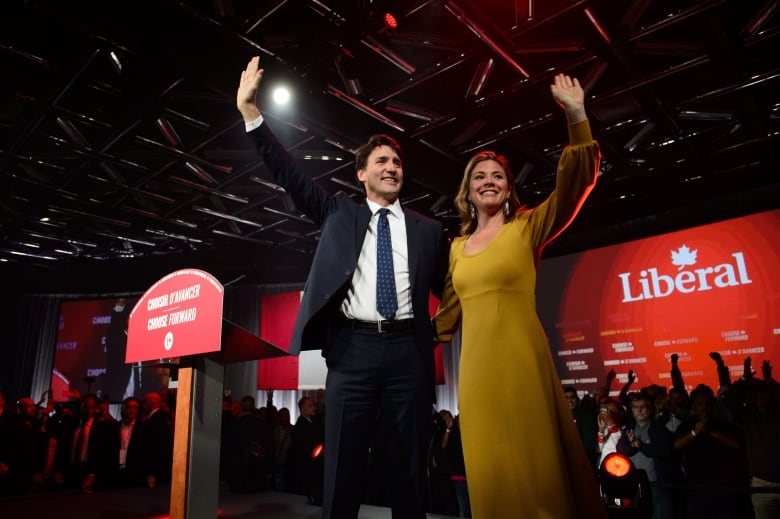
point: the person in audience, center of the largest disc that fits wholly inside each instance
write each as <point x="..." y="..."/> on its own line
<point x="282" y="439"/>
<point x="88" y="461"/>
<point x="108" y="450"/>
<point x="755" y="405"/>
<point x="305" y="448"/>
<point x="45" y="419"/>
<point x="713" y="460"/>
<point x="650" y="446"/>
<point x="127" y="474"/>
<point x="24" y="448"/>
<point x="269" y="412"/>
<point x="319" y="402"/>
<point x="440" y="470"/>
<point x="587" y="425"/>
<point x="34" y="442"/>
<point x="231" y="410"/>
<point x="62" y="428"/>
<point x="452" y="450"/>
<point x="677" y="408"/>
<point x="252" y="441"/>
<point x="154" y="455"/>
<point x="610" y="422"/>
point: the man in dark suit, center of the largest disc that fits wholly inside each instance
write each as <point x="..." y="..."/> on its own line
<point x="377" y="358"/>
<point x="89" y="455"/>
<point x="307" y="435"/>
<point x="152" y="458"/>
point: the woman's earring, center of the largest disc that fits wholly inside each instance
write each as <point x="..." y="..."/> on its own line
<point x="472" y="211"/>
<point x="506" y="207"/>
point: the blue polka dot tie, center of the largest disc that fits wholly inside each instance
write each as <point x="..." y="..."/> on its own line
<point x="386" y="297"/>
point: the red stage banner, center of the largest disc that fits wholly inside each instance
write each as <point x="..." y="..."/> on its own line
<point x="438" y="359"/>
<point x="277" y="319"/>
<point x="181" y="314"/>
<point x="630" y="307"/>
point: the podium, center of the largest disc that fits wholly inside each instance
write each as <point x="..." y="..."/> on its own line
<point x="181" y="316"/>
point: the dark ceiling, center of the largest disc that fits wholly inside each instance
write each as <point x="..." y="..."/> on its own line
<point x="123" y="157"/>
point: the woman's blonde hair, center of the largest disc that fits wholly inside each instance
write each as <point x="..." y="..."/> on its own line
<point x="468" y="223"/>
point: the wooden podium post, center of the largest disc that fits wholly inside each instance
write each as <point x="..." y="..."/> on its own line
<point x="181" y="316"/>
<point x="196" y="442"/>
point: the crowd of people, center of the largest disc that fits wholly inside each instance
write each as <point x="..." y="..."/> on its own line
<point x="709" y="454"/>
<point x="78" y="445"/>
<point x="263" y="450"/>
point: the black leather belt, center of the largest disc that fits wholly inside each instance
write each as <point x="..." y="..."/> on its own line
<point x="391" y="325"/>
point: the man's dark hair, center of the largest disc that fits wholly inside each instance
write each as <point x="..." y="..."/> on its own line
<point x="637" y="396"/>
<point x="375" y="141"/>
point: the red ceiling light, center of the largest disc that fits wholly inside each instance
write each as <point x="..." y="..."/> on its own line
<point x="390" y="21"/>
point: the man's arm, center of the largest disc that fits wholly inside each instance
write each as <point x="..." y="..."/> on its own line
<point x="724" y="379"/>
<point x="677" y="378"/>
<point x="623" y="395"/>
<point x="309" y="197"/>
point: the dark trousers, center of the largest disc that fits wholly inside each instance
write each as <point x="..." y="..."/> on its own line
<point x="374" y="376"/>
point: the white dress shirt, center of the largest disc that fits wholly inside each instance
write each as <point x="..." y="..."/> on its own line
<point x="360" y="302"/>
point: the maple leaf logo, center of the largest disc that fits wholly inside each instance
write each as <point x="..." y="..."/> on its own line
<point x="684" y="257"/>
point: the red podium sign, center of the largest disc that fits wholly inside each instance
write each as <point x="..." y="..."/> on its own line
<point x="181" y="314"/>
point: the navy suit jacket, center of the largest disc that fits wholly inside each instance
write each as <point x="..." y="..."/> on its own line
<point x="344" y="223"/>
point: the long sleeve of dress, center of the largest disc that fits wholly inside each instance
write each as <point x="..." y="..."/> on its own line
<point x="575" y="179"/>
<point x="447" y="318"/>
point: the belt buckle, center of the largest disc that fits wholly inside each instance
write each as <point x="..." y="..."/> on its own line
<point x="379" y="326"/>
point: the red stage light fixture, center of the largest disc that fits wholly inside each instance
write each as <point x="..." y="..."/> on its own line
<point x="624" y="489"/>
<point x="316" y="451"/>
<point x="617" y="465"/>
<point x="390" y="21"/>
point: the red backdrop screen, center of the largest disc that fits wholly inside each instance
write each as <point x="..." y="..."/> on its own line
<point x="90" y="352"/>
<point x="631" y="306"/>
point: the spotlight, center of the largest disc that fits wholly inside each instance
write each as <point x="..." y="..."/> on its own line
<point x="281" y="96"/>
<point x="624" y="488"/>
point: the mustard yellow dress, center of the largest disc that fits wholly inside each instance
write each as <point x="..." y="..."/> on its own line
<point x="524" y="458"/>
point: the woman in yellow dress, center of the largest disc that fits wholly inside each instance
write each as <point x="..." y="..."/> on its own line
<point x="523" y="455"/>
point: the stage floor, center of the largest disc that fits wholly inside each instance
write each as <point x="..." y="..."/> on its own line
<point x="145" y="503"/>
